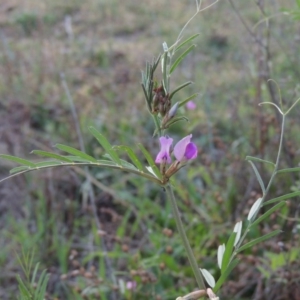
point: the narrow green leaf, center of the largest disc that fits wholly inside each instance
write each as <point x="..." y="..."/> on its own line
<point x="74" y="159"/>
<point x="298" y="3"/>
<point x="150" y="161"/>
<point x="52" y="155"/>
<point x="18" y="169"/>
<point x="288" y="170"/>
<point x="259" y="160"/>
<point x="18" y="160"/>
<point x="132" y="156"/>
<point x="180" y="88"/>
<point x="75" y="152"/>
<point x="259" y="240"/>
<point x="155" y="64"/>
<point x="284" y="197"/>
<point x="268" y="213"/>
<point x="258" y="177"/>
<point x="181" y="57"/>
<point x="34" y="273"/>
<point x="164" y="62"/>
<point x="22" y="287"/>
<point x="183" y="102"/>
<point x="187" y="41"/>
<point x="174" y="120"/>
<point x="225" y="274"/>
<point x="105" y="144"/>
<point x="228" y="251"/>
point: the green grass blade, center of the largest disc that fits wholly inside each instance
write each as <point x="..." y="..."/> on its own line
<point x="150" y="161"/>
<point x="132" y="156"/>
<point x="225" y="274"/>
<point x="18" y="160"/>
<point x="268" y="213"/>
<point x="51" y="155"/>
<point x="284" y="197"/>
<point x="105" y="144"/>
<point x="251" y="158"/>
<point x="75" y="152"/>
<point x="228" y="251"/>
<point x="259" y="240"/>
<point x="181" y="57"/>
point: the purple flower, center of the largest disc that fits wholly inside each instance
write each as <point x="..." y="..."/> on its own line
<point x="191" y="105"/>
<point x="164" y="154"/>
<point x="185" y="150"/>
<point x="131" y="285"/>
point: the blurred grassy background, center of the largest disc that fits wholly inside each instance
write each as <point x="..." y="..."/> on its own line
<point x="101" y="46"/>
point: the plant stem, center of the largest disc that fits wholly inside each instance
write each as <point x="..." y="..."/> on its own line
<point x="268" y="187"/>
<point x="188" y="249"/>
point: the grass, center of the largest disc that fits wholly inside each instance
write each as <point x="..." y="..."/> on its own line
<point x="101" y="57"/>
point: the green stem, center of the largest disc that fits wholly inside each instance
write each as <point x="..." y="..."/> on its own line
<point x="185" y="241"/>
<point x="157" y="124"/>
<point x="268" y="187"/>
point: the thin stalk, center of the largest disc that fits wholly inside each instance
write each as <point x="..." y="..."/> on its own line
<point x="157" y="124"/>
<point x="268" y="187"/>
<point x="185" y="241"/>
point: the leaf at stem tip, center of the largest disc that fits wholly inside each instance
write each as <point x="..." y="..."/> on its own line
<point x="238" y="229"/>
<point x="221" y="251"/>
<point x="254" y="208"/>
<point x="208" y="277"/>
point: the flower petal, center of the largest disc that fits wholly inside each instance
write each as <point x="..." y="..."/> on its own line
<point x="164" y="153"/>
<point x="180" y="147"/>
<point x="191" y="151"/>
<point x="191" y="105"/>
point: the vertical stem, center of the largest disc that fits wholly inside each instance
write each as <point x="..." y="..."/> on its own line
<point x="188" y="249"/>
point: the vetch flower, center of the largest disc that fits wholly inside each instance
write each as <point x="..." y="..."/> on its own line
<point x="165" y="148"/>
<point x="185" y="150"/>
<point x="191" y="105"/>
<point x="131" y="285"/>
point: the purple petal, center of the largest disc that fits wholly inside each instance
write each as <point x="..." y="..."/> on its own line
<point x="164" y="153"/>
<point x="191" y="105"/>
<point x="180" y="147"/>
<point x="191" y="151"/>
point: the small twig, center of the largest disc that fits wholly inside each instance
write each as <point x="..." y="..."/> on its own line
<point x="88" y="178"/>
